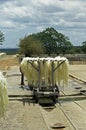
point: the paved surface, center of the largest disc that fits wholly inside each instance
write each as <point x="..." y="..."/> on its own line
<point x="78" y="71"/>
<point x="24" y="116"/>
<point x="20" y="114"/>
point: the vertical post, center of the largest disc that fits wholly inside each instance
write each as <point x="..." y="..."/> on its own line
<point x="22" y="77"/>
<point x="52" y="65"/>
<point x="39" y="71"/>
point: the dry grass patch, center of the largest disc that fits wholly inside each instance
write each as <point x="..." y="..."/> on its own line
<point x="8" y="62"/>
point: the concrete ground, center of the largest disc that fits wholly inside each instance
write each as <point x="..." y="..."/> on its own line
<point x="22" y="115"/>
<point x="78" y="71"/>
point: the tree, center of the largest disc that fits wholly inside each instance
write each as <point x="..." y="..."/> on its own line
<point x="30" y="46"/>
<point x="1" y="38"/>
<point x="48" y="41"/>
<point x="53" y="41"/>
<point x="84" y="47"/>
<point x="78" y="49"/>
<point x="64" y="45"/>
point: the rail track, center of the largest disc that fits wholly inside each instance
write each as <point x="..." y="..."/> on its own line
<point x="62" y="114"/>
<point x="69" y="113"/>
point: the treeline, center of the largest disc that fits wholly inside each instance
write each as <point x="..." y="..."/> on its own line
<point x="10" y="51"/>
<point x="49" y="42"/>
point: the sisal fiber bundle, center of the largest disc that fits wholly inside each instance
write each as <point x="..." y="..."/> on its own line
<point x="3" y="95"/>
<point x="45" y="68"/>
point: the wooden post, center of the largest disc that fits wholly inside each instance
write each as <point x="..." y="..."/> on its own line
<point x="22" y="79"/>
<point x="52" y="74"/>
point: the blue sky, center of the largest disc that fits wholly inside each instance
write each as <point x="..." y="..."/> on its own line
<point x="22" y="17"/>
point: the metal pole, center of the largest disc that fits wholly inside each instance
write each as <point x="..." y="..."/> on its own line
<point x="59" y="65"/>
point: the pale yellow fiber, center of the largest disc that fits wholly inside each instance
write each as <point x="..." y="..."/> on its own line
<point x="3" y="95"/>
<point x="33" y="67"/>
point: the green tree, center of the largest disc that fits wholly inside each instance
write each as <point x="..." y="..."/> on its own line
<point x="53" y="41"/>
<point x="50" y="41"/>
<point x="64" y="45"/>
<point x="30" y="46"/>
<point x="78" y="49"/>
<point x="1" y="37"/>
<point x="84" y="47"/>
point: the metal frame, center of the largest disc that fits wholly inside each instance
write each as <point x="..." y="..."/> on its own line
<point x="53" y="70"/>
<point x="38" y="92"/>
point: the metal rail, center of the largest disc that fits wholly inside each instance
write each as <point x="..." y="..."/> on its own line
<point x="68" y="118"/>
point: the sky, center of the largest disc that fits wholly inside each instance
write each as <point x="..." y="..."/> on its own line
<point x="19" y="18"/>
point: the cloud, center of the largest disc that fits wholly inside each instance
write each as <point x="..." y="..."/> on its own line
<point x="40" y="11"/>
<point x="32" y="16"/>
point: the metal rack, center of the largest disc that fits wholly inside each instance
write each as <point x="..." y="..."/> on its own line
<point x="45" y="92"/>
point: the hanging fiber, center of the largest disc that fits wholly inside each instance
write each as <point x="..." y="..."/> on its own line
<point x="45" y="68"/>
<point x="3" y="95"/>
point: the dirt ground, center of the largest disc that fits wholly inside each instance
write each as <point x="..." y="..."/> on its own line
<point x="7" y="61"/>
